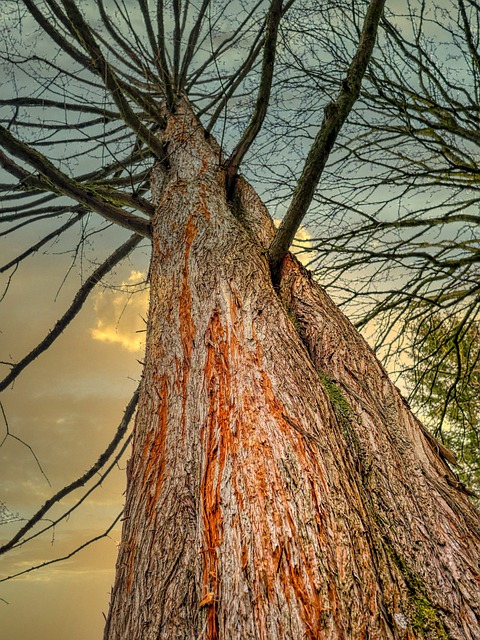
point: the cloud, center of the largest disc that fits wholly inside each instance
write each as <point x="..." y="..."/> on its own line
<point x="302" y="244"/>
<point x="120" y="313"/>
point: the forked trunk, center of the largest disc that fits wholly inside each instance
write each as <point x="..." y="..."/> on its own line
<point x="279" y="486"/>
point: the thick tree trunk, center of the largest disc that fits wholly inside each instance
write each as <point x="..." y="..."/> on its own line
<point x="279" y="486"/>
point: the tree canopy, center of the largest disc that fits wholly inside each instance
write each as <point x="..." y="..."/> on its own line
<point x="447" y="394"/>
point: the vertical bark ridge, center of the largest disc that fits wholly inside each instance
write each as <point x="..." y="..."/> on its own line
<point x="258" y="505"/>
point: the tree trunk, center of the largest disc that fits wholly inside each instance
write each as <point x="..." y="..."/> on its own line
<point x="279" y="486"/>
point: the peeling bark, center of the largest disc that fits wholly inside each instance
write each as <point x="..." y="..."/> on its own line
<point x="279" y="486"/>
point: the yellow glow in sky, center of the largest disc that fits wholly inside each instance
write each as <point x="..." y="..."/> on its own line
<point x="120" y="314"/>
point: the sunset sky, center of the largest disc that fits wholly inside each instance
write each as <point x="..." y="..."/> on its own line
<point x="66" y="406"/>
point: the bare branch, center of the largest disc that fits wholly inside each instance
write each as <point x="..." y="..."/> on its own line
<point x="80" y="482"/>
<point x="68" y="555"/>
<point x="103" y="69"/>
<point x="192" y="43"/>
<point x="56" y="36"/>
<point x="227" y="42"/>
<point x="38" y="245"/>
<point x="469" y="35"/>
<point x="28" y="101"/>
<point x="9" y="434"/>
<point x="263" y="96"/>
<point x="335" y="115"/>
<point x="176" y="41"/>
<point x="236" y="81"/>
<point x="61" y="183"/>
<point x="163" y="58"/>
<point x="136" y="60"/>
<point x="114" y="461"/>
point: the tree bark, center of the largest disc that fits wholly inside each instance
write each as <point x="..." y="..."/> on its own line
<point x="279" y="486"/>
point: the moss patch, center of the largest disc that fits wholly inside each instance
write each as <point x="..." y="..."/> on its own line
<point x="340" y="403"/>
<point x="425" y="619"/>
<point x="346" y="418"/>
<point x="294" y="321"/>
<point x="423" y="615"/>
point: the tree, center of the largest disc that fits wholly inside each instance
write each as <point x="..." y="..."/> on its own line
<point x="448" y="395"/>
<point x="279" y="485"/>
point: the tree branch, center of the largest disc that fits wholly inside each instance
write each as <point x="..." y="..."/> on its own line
<point x="79" y="482"/>
<point x="263" y="96"/>
<point x="24" y="101"/>
<point x="61" y="183"/>
<point x="192" y="43"/>
<point x="103" y="69"/>
<point x="69" y="555"/>
<point x="162" y="56"/>
<point x="35" y="247"/>
<point x="335" y="115"/>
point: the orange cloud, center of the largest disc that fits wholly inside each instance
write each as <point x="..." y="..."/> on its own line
<point x="120" y="313"/>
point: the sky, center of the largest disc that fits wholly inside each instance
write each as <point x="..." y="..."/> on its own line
<point x="66" y="407"/>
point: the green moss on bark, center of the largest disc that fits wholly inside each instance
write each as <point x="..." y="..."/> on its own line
<point x="340" y="403"/>
<point x="423" y="616"/>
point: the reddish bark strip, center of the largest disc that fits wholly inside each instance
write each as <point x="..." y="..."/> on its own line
<point x="215" y="437"/>
<point x="187" y="327"/>
<point x="153" y="453"/>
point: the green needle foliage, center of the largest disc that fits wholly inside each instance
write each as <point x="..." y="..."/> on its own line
<point x="448" y="394"/>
